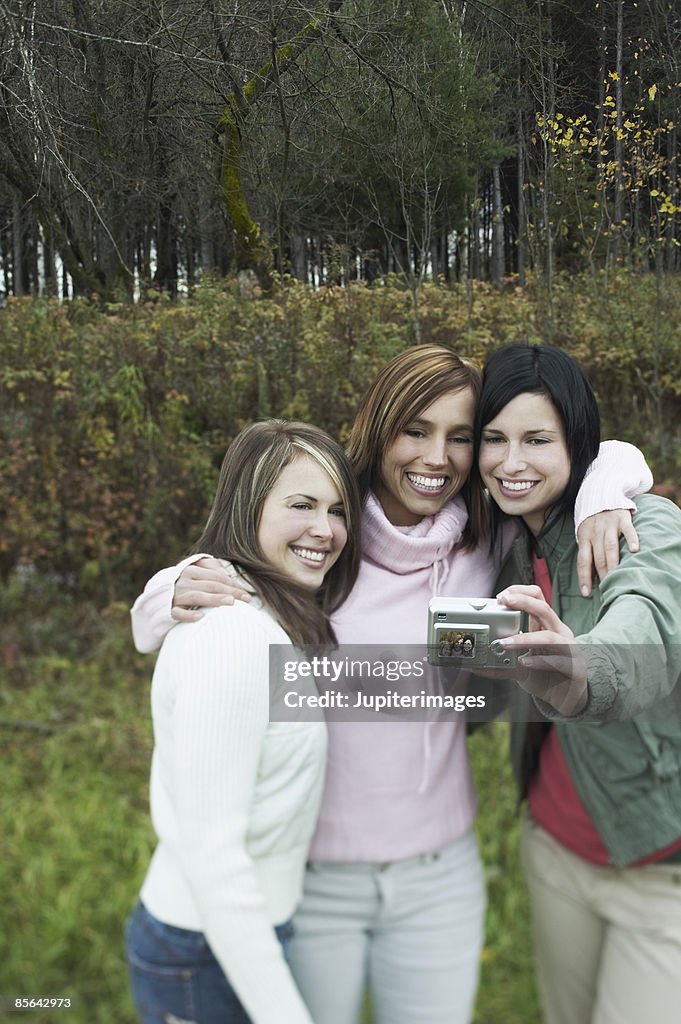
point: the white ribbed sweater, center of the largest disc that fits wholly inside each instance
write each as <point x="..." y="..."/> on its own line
<point x="234" y="801"/>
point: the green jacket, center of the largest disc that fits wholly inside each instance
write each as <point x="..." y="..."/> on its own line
<point x="624" y="750"/>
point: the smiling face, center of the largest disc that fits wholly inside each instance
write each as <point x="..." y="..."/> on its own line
<point x="302" y="528"/>
<point x="524" y="461"/>
<point x="430" y="460"/>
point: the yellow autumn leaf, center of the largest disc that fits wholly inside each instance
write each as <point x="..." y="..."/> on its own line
<point x="652" y="92"/>
<point x="615" y="77"/>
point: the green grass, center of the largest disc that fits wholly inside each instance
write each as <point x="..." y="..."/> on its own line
<point x="507" y="993"/>
<point x="75" y="741"/>
<point x="74" y="823"/>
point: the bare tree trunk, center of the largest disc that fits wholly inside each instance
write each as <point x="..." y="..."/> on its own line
<point x="435" y="257"/>
<point x="474" y="242"/>
<point x="32" y="250"/>
<point x="49" y="265"/>
<point x="5" y="242"/>
<point x="18" y="285"/>
<point x="600" y="118"/>
<point x="252" y="248"/>
<point x="520" y="199"/>
<point x="207" y="253"/>
<point x="497" y="267"/>
<point x="298" y="255"/>
<point x="548" y="110"/>
<point x="190" y="258"/>
<point x="485" y="234"/>
<point x="166" y="252"/>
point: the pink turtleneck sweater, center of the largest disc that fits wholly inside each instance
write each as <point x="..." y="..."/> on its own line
<point x="395" y="789"/>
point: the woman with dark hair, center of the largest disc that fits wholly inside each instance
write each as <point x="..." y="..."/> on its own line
<point x="394" y="894"/>
<point x="234" y="797"/>
<point x="596" y="745"/>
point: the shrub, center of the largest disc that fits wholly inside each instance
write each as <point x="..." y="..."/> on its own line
<point x="113" y="421"/>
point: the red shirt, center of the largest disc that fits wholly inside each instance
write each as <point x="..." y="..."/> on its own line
<point x="552" y="798"/>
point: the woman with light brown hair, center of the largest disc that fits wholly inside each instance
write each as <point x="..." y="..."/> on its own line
<point x="394" y="892"/>
<point x="234" y="796"/>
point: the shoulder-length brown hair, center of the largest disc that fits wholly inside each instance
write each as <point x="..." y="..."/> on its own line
<point x="407" y="385"/>
<point x="250" y="469"/>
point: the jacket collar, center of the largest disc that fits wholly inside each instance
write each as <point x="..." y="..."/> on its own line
<point x="559" y="539"/>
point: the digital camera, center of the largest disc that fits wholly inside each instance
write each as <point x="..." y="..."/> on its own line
<point x="465" y="631"/>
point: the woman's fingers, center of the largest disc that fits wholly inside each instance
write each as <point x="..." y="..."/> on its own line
<point x="204" y="584"/>
<point x="185" y="614"/>
<point x="517" y="590"/>
<point x="554" y="671"/>
<point x="599" y="544"/>
<point x="629" y="532"/>
<point x="542" y="616"/>
<point x="536" y="639"/>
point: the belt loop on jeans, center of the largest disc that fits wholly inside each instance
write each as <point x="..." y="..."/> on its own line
<point x="421" y="858"/>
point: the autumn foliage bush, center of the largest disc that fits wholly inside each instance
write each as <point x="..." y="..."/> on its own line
<point x="114" y="420"/>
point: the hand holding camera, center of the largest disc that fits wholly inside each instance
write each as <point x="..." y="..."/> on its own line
<point x="551" y="665"/>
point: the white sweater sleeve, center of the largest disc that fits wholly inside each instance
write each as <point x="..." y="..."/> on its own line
<point x="150" y="614"/>
<point x="219" y="670"/>
<point x="617" y="475"/>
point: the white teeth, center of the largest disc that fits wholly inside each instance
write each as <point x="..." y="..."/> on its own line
<point x="312" y="556"/>
<point x="428" y="482"/>
<point x="518" y="485"/>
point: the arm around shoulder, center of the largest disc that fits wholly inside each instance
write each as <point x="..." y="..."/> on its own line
<point x="613" y="479"/>
<point x="150" y="615"/>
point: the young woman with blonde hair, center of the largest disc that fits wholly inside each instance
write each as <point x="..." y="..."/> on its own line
<point x="233" y="796"/>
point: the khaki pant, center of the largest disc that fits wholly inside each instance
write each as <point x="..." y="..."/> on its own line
<point x="607" y="940"/>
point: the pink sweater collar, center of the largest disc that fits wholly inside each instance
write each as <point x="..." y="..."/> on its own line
<point x="404" y="549"/>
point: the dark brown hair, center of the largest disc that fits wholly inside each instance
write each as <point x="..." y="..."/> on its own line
<point x="520" y="369"/>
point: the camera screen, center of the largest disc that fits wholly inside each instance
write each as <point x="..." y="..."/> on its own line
<point x="455" y="644"/>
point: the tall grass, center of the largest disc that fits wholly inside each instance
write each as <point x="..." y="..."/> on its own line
<point x="74" y="822"/>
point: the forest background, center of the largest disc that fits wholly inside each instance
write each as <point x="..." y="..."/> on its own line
<point x="215" y="212"/>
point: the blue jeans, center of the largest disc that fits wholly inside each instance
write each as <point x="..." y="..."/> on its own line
<point x="175" y="977"/>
